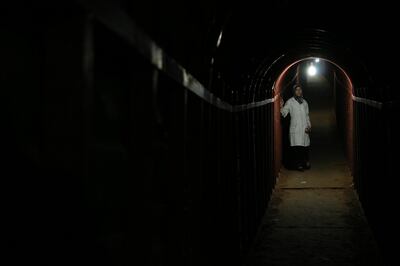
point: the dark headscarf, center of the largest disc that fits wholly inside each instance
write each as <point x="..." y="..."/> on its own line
<point x="299" y="99"/>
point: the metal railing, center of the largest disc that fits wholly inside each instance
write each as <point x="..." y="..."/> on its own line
<point x="210" y="165"/>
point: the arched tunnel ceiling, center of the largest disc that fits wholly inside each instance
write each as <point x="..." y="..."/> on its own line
<point x="361" y="38"/>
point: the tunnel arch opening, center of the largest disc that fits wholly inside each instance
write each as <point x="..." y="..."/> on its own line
<point x="342" y="104"/>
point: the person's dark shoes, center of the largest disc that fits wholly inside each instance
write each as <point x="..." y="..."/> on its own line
<point x="307" y="166"/>
<point x="300" y="168"/>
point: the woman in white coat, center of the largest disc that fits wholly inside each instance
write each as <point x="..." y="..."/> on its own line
<point x="300" y="127"/>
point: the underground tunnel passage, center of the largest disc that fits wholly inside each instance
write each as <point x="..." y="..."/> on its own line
<point x="312" y="216"/>
<point x="151" y="133"/>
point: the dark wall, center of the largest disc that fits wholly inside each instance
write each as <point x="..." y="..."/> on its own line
<point x="112" y="162"/>
<point x="42" y="80"/>
<point x="375" y="171"/>
<point x="105" y="154"/>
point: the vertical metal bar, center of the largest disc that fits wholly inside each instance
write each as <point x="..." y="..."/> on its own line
<point x="186" y="245"/>
<point x="88" y="72"/>
<point x="254" y="164"/>
<point x="237" y="160"/>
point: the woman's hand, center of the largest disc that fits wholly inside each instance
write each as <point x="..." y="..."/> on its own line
<point x="281" y="103"/>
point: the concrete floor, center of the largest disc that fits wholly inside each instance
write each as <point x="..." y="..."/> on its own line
<point x="314" y="217"/>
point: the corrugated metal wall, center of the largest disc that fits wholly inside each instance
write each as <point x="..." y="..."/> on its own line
<point x="126" y="155"/>
<point x="113" y="153"/>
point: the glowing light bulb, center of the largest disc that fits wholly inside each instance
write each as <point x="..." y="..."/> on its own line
<point x="312" y="70"/>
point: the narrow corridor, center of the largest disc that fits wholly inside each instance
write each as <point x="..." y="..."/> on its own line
<point x="150" y="133"/>
<point x="315" y="217"/>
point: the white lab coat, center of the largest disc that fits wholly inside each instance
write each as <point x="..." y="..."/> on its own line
<point x="299" y="121"/>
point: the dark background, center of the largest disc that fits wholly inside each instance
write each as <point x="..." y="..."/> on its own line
<point x="108" y="161"/>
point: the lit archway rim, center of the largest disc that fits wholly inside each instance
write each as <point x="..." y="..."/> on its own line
<point x="277" y="81"/>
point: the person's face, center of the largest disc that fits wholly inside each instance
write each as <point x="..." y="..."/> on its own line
<point x="298" y="92"/>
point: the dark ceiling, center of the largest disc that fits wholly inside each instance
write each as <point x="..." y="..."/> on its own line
<point x="361" y="37"/>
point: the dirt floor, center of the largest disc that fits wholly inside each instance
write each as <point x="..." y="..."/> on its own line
<point x="314" y="217"/>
